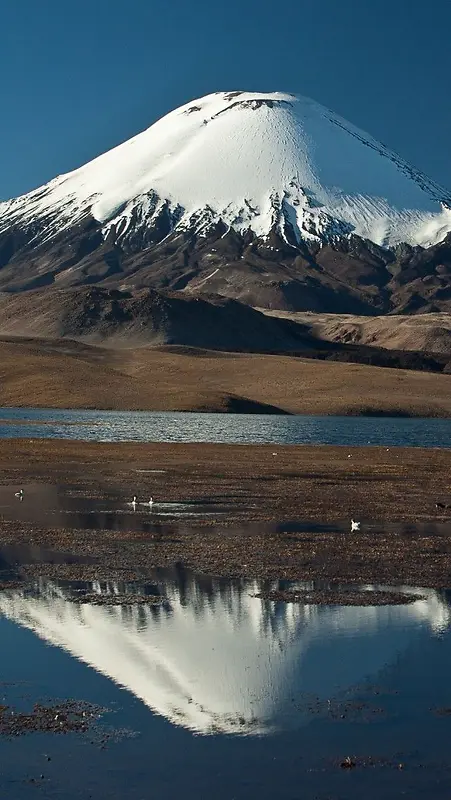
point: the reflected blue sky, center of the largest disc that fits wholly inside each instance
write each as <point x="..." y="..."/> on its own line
<point x="229" y="695"/>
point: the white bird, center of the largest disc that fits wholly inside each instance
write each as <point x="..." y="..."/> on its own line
<point x="134" y="502"/>
<point x="150" y="503"/>
<point x="19" y="494"/>
<point x="355" y="526"/>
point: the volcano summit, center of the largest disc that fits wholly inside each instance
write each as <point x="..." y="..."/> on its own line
<point x="267" y="198"/>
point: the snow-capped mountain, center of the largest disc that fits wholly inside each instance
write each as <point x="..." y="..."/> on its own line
<point x="233" y="177"/>
<point x="251" y="160"/>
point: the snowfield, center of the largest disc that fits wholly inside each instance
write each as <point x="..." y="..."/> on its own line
<point x="254" y="161"/>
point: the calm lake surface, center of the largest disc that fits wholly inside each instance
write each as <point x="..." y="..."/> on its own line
<point x="137" y="426"/>
<point x="217" y="693"/>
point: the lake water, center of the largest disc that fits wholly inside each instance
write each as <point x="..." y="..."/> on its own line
<point x="221" y="694"/>
<point x="137" y="426"/>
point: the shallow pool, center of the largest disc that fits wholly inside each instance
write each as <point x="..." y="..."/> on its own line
<point x="218" y="693"/>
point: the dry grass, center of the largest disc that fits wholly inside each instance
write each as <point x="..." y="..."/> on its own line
<point x="62" y="374"/>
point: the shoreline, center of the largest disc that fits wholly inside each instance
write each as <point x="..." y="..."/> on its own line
<point x="270" y="500"/>
<point x="252" y="409"/>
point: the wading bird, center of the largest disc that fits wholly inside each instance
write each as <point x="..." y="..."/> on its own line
<point x="150" y="503"/>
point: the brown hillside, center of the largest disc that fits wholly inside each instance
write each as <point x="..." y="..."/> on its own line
<point x="429" y="333"/>
<point x="70" y="374"/>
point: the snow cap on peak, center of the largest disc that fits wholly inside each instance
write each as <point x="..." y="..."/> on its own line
<point x="254" y="160"/>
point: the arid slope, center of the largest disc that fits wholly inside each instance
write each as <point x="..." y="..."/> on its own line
<point x="429" y="333"/>
<point x="63" y="373"/>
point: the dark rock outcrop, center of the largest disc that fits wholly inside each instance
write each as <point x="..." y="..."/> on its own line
<point x="348" y="275"/>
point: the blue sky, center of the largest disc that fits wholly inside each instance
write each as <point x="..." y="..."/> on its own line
<point x="80" y="77"/>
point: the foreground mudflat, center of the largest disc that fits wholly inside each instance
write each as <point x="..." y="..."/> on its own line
<point x="279" y="512"/>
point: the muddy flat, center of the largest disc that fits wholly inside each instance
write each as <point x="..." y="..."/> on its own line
<point x="264" y="512"/>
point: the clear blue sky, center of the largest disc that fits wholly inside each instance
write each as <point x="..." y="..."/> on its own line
<point x="80" y="77"/>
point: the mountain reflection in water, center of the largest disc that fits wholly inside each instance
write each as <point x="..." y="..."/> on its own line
<point x="215" y="659"/>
